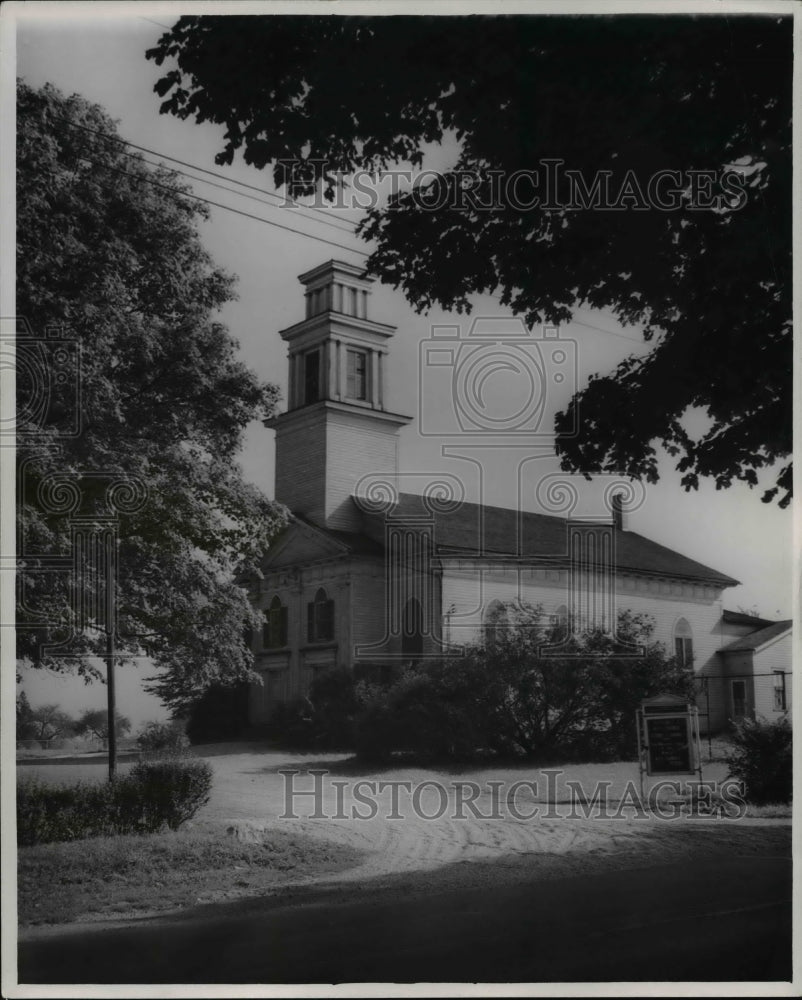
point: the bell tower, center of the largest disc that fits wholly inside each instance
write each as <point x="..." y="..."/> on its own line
<point x="336" y="428"/>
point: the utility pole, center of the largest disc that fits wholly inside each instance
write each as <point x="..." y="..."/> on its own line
<point x="111" y="703"/>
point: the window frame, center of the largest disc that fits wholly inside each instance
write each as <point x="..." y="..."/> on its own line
<point x="495" y="624"/>
<point x="316" y="394"/>
<point x="275" y="631"/>
<point x="683" y="643"/>
<point x="412" y="630"/>
<point x="780" y="691"/>
<point x="320" y="626"/>
<point x="352" y="376"/>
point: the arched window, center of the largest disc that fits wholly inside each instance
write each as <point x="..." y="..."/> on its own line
<point x="495" y="623"/>
<point x="683" y="643"/>
<point x="559" y="620"/>
<point x="320" y="618"/>
<point x="412" y="630"/>
<point x="274" y="630"/>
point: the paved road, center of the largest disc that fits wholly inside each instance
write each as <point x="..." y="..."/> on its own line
<point x="727" y="919"/>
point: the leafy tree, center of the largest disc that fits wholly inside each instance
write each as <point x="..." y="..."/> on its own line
<point x="43" y="723"/>
<point x="710" y="282"/>
<point x="582" y="692"/>
<point x="24" y="712"/>
<point x="95" y="722"/>
<point x="532" y="691"/>
<point x="167" y="738"/>
<point x="109" y="256"/>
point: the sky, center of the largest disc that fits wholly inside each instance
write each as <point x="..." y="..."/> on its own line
<point x="102" y="59"/>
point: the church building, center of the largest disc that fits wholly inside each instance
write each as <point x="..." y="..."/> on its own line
<point x="366" y="573"/>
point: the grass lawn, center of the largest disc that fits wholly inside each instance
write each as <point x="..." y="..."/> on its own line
<point x="103" y="877"/>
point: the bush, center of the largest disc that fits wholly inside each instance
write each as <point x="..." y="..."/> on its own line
<point x="434" y="710"/>
<point x="153" y="795"/>
<point x="505" y="698"/>
<point x="172" y="791"/>
<point x="164" y="738"/>
<point x="762" y="759"/>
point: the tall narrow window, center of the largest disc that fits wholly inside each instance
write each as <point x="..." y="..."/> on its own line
<point x="780" y="703"/>
<point x="311" y="376"/>
<point x="320" y="618"/>
<point x="495" y="623"/>
<point x="683" y="643"/>
<point x="559" y="620"/>
<point x="357" y="374"/>
<point x="412" y="634"/>
<point x="274" y="630"/>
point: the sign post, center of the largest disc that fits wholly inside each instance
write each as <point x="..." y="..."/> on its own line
<point x="668" y="737"/>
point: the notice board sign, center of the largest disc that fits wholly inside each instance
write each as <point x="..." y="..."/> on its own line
<point x="669" y="744"/>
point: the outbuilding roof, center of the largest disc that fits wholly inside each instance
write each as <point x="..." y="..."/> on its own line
<point x="757" y="639"/>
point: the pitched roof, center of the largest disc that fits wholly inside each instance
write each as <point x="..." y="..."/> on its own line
<point x="757" y="639"/>
<point x="356" y="543"/>
<point x="741" y="618"/>
<point x="476" y="530"/>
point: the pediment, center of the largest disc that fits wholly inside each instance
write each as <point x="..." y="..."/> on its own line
<point x="302" y="543"/>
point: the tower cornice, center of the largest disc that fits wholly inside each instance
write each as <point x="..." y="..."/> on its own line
<point x="336" y="323"/>
<point x="311" y="415"/>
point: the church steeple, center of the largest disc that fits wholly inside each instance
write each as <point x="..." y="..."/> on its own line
<point x="336" y="428"/>
<point x="336" y="352"/>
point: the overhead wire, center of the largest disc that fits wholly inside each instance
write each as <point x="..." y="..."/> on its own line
<point x="228" y="208"/>
<point x="282" y="202"/>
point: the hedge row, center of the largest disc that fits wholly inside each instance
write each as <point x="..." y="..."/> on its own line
<point x="152" y="796"/>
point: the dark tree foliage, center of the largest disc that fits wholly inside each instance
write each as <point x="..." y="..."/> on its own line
<point x="711" y="286"/>
<point x="109" y="257"/>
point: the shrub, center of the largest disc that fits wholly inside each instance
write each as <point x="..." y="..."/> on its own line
<point x="172" y="791"/>
<point x="153" y="795"/>
<point x="164" y="738"/>
<point x="762" y="759"/>
<point x="434" y="709"/>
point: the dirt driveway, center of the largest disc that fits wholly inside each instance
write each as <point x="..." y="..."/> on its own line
<point x="446" y="815"/>
<point x="432" y="824"/>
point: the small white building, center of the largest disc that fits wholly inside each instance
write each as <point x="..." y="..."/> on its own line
<point x="364" y="573"/>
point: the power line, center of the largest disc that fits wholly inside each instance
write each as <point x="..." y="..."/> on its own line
<point x="150" y="19"/>
<point x="223" y="187"/>
<point x="248" y="215"/>
<point x="268" y="222"/>
<point x="611" y="333"/>
<point x="204" y="170"/>
<point x="251" y="187"/>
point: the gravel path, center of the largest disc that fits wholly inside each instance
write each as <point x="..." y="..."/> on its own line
<point x="250" y="799"/>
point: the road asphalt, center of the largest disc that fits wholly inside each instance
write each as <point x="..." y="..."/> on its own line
<point x="719" y="919"/>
